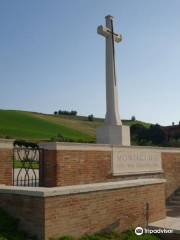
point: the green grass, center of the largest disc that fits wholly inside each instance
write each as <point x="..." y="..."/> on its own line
<point x="29" y="126"/>
<point x="21" y="164"/>
<point x="9" y="228"/>
<point x="37" y="126"/>
<point x="130" y="235"/>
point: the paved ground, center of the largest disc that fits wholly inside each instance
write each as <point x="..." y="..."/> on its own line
<point x="172" y="221"/>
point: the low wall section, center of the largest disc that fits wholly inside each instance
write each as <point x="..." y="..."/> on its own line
<point x="85" y="209"/>
<point x="76" y="166"/>
<point x="111" y="186"/>
<point x="6" y="162"/>
<point x="171" y="167"/>
<point x="71" y="164"/>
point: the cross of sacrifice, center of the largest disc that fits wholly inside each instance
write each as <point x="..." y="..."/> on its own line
<point x="112" y="113"/>
<point x="113" y="132"/>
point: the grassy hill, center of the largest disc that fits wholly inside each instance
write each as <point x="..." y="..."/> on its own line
<point x="37" y="126"/>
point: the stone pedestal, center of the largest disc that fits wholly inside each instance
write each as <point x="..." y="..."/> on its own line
<point x="119" y="135"/>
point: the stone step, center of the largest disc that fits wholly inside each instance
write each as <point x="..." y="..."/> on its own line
<point x="177" y="193"/>
<point x="174" y="202"/>
<point x="171" y="207"/>
<point x="176" y="198"/>
<point x="173" y="236"/>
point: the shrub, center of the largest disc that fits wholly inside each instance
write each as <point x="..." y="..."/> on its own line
<point x="23" y="143"/>
<point x="130" y="235"/>
<point x="61" y="138"/>
<point x="9" y="228"/>
<point x="65" y="112"/>
<point x="66" y="238"/>
<point x="154" y="135"/>
<point x="2" y="238"/>
<point x="91" y="118"/>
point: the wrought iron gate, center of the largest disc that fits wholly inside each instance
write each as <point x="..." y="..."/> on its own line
<point x="26" y="164"/>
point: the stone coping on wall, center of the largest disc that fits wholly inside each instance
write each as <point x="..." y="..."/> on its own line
<point x="77" y="189"/>
<point x="98" y="147"/>
<point x="138" y="173"/>
<point x="6" y="143"/>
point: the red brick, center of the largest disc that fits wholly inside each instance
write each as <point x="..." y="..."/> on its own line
<point x="86" y="213"/>
<point x="6" y="166"/>
<point x="171" y="167"/>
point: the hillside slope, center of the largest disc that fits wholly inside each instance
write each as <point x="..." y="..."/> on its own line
<point x="37" y="126"/>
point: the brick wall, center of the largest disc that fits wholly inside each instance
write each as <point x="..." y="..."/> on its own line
<point x="6" y="166"/>
<point x="89" y="213"/>
<point x="171" y="167"/>
<point x="72" y="167"/>
<point x="85" y="213"/>
<point x="62" y="168"/>
<point x="79" y="167"/>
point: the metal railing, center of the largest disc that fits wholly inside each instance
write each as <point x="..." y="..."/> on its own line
<point x="26" y="163"/>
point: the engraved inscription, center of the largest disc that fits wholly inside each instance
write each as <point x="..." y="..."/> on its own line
<point x="134" y="161"/>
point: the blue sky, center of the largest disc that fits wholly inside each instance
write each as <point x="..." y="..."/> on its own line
<point x="52" y="58"/>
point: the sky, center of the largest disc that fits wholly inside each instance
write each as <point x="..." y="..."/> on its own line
<point x="52" y="58"/>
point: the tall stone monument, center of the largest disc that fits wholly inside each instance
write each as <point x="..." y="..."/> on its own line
<point x="113" y="132"/>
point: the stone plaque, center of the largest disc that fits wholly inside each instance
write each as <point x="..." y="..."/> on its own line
<point x="128" y="161"/>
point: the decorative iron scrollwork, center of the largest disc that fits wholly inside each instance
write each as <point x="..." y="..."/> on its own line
<point x="26" y="166"/>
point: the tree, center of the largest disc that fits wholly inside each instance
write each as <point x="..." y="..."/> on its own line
<point x="139" y="134"/>
<point x="55" y="112"/>
<point x="65" y="112"/>
<point x="133" y="118"/>
<point x="74" y="113"/>
<point x="156" y="134"/>
<point x="91" y="118"/>
<point x="176" y="136"/>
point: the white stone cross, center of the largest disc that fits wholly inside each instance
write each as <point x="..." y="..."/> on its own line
<point x="113" y="132"/>
<point x="112" y="113"/>
<point x="108" y="31"/>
